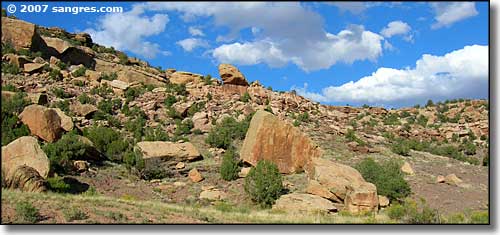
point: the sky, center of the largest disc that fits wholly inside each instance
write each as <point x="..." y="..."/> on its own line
<point x="387" y="54"/>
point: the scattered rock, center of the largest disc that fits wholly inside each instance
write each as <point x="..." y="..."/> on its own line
<point x="407" y="169"/>
<point x="24" y="151"/>
<point x="452" y="179"/>
<point x="33" y="67"/>
<point x="179" y="184"/>
<point x="244" y="172"/>
<point x="383" y="201"/>
<point x="83" y="110"/>
<point x="195" y="176"/>
<point x="213" y="195"/>
<point x="42" y="122"/>
<point x="231" y="75"/>
<point x="440" y="179"/>
<point x="17" y="60"/>
<point x="180" y="165"/>
<point x="38" y="98"/>
<point x="272" y="139"/>
<point x="119" y="84"/>
<point x="81" y="166"/>
<point x="301" y="202"/>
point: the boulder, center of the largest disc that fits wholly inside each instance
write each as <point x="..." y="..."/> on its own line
<point x="345" y="182"/>
<point x="213" y="195"/>
<point x="57" y="44"/>
<point x="81" y="166"/>
<point x="231" y="89"/>
<point x="383" y="201"/>
<point x="180" y="165"/>
<point x="452" y="179"/>
<point x="83" y="110"/>
<point x="17" y="60"/>
<point x="269" y="138"/>
<point x="129" y="75"/>
<point x="200" y="122"/>
<point x="244" y="172"/>
<point x="26" y="179"/>
<point x="33" y="67"/>
<point x="42" y="122"/>
<point x="231" y="75"/>
<point x="301" y="202"/>
<point x="66" y="121"/>
<point x="24" y="151"/>
<point x="38" y="98"/>
<point x="119" y="84"/>
<point x="181" y="77"/>
<point x="155" y="152"/>
<point x="315" y="188"/>
<point x="21" y="34"/>
<point x="195" y="176"/>
<point x="406" y="168"/>
<point x="440" y="179"/>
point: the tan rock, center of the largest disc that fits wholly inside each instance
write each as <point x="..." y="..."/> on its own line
<point x="38" y="98"/>
<point x="180" y="165"/>
<point x="156" y="152"/>
<point x="301" y="202"/>
<point x="21" y="34"/>
<point x="81" y="166"/>
<point x="268" y="138"/>
<point x="42" y="122"/>
<point x="315" y="188"/>
<point x="57" y="44"/>
<point x="181" y="77"/>
<point x="195" y="176"/>
<point x="362" y="198"/>
<point x="383" y="201"/>
<point x="17" y="60"/>
<point x="244" y="172"/>
<point x="24" y="151"/>
<point x="213" y="195"/>
<point x="440" y="179"/>
<point x="407" y="169"/>
<point x="119" y="84"/>
<point x="231" y="75"/>
<point x="33" y="67"/>
<point x="179" y="184"/>
<point x="83" y="110"/>
<point x="452" y="179"/>
<point x="92" y="75"/>
<point x="26" y="179"/>
<point x="66" y="121"/>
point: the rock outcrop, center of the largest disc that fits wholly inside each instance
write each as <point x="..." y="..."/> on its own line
<point x="181" y="77"/>
<point x="155" y="152"/>
<point x="301" y="202"/>
<point x="268" y="138"/>
<point x="20" y="34"/>
<point x="232" y="75"/>
<point x="42" y="122"/>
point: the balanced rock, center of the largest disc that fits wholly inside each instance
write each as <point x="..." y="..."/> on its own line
<point x="195" y="176"/>
<point x="244" y="172"/>
<point x="155" y="152"/>
<point x="345" y="182"/>
<point x="181" y="77"/>
<point x="42" y="122"/>
<point x="24" y="151"/>
<point x="269" y="138"/>
<point x="301" y="202"/>
<point x="231" y="75"/>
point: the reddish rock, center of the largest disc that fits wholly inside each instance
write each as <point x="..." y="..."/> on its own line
<point x="232" y="75"/>
<point x="42" y="122"/>
<point x="195" y="176"/>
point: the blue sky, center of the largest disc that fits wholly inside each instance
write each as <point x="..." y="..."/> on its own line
<point x="379" y="53"/>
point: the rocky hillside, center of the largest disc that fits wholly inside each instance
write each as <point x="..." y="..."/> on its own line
<point x="78" y="117"/>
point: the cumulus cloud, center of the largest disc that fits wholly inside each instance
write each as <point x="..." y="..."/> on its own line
<point x="460" y="73"/>
<point x="448" y="13"/>
<point x="189" y="44"/>
<point x="195" y="31"/>
<point x="129" y="30"/>
<point x="395" y="28"/>
<point x="284" y="32"/>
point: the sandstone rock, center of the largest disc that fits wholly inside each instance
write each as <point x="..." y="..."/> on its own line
<point x="180" y="165"/>
<point x="181" y="77"/>
<point x="81" y="166"/>
<point x="244" y="172"/>
<point x="21" y="34"/>
<point x="66" y="121"/>
<point x="201" y="122"/>
<point x="17" y="60"/>
<point x="24" y="151"/>
<point x="271" y="139"/>
<point x="315" y="188"/>
<point x="406" y="168"/>
<point x="452" y="179"/>
<point x="179" y="184"/>
<point x="155" y="152"/>
<point x="231" y="75"/>
<point x="84" y="38"/>
<point x="231" y="89"/>
<point x="119" y="84"/>
<point x="57" y="44"/>
<point x="83" y="110"/>
<point x="345" y="182"/>
<point x="301" y="202"/>
<point x="26" y="179"/>
<point x="213" y="195"/>
<point x="42" y="122"/>
<point x="383" y="201"/>
<point x="195" y="176"/>
<point x="38" y="98"/>
<point x="440" y="179"/>
<point x="33" y="67"/>
<point x="92" y="75"/>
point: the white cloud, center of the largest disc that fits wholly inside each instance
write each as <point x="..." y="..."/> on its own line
<point x="195" y="31"/>
<point x="460" y="73"/>
<point x="395" y="28"/>
<point x="284" y="32"/>
<point x="128" y="30"/>
<point x="448" y="13"/>
<point x="189" y="44"/>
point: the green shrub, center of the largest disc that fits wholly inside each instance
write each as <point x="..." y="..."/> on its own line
<point x="12" y="128"/>
<point x="73" y="214"/>
<point x="183" y="127"/>
<point x="387" y="177"/>
<point x="62" y="105"/>
<point x="429" y="103"/>
<point x="60" y="93"/>
<point x="392" y="119"/>
<point x="480" y="217"/>
<point x="351" y="137"/>
<point x="196" y="107"/>
<point x="420" y="215"/>
<point x="101" y="136"/>
<point x="116" y="148"/>
<point x="133" y="92"/>
<point x="400" y="147"/>
<point x="7" y="47"/>
<point x="109" y="76"/>
<point x="177" y="89"/>
<point x="264" y="183"/>
<point x="85" y="99"/>
<point x="10" y="87"/>
<point x="245" y="97"/>
<point x="10" y="68"/>
<point x="422" y="120"/>
<point x="108" y="105"/>
<point x="395" y="211"/>
<point x="207" y="79"/>
<point x="169" y="101"/>
<point x="63" y="151"/>
<point x="296" y="123"/>
<point x="229" y="166"/>
<point x="223" y="134"/>
<point x="156" y="172"/>
<point x="303" y="117"/>
<point x="469" y="148"/>
<point x="55" y="74"/>
<point x="61" y="65"/>
<point x="57" y="184"/>
<point x="123" y="58"/>
<point x="102" y="91"/>
<point x="79" y="72"/>
<point x="26" y="212"/>
<point x="155" y="134"/>
<point x="136" y="126"/>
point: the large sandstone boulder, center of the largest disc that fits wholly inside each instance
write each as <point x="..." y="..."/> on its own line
<point x="33" y="67"/>
<point x="84" y="110"/>
<point x="180" y="77"/>
<point x="301" y="202"/>
<point x="21" y="34"/>
<point x="231" y="75"/>
<point x="274" y="140"/>
<point x="156" y="152"/>
<point x="345" y="183"/>
<point x="69" y="53"/>
<point x="57" y="44"/>
<point x="42" y="122"/>
<point x="24" y="151"/>
<point x="26" y="179"/>
<point x="66" y="121"/>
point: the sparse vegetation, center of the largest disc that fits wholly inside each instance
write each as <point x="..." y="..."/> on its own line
<point x="229" y="166"/>
<point x="264" y="183"/>
<point x="223" y="134"/>
<point x="79" y="72"/>
<point x="26" y="213"/>
<point x="62" y="152"/>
